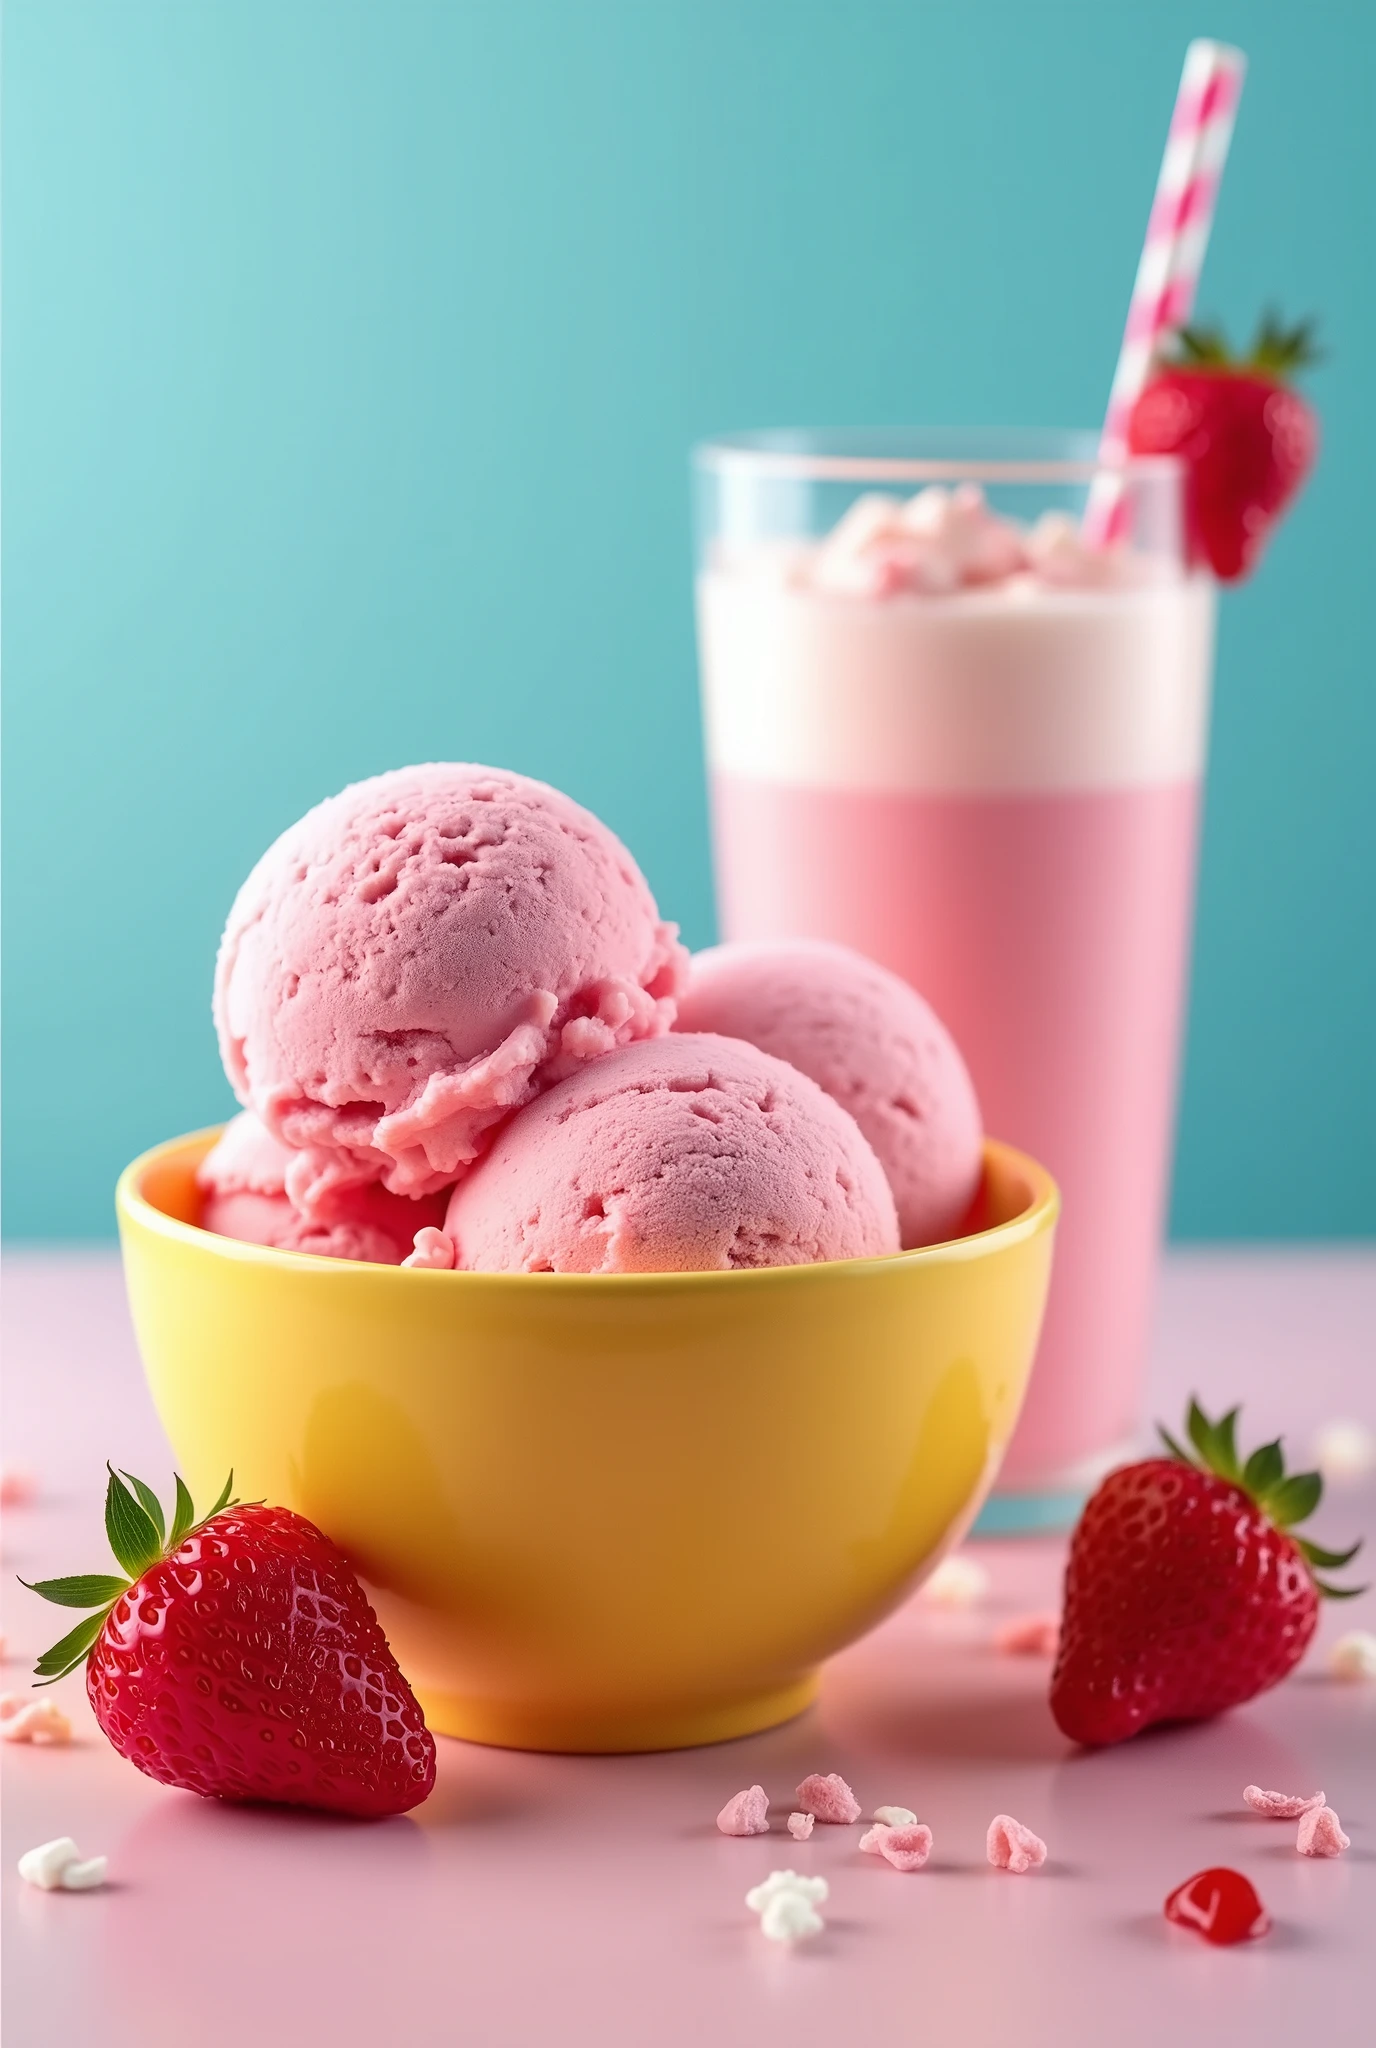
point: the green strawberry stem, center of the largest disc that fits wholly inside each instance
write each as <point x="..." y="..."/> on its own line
<point x="1285" y="1498"/>
<point x="1278" y="351"/>
<point x="140" y="1538"/>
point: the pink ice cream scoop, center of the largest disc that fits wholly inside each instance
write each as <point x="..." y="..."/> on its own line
<point x="873" y="1044"/>
<point x="417" y="957"/>
<point x="243" y="1181"/>
<point x="681" y="1154"/>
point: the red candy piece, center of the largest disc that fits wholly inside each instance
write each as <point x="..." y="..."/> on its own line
<point x="1219" y="1904"/>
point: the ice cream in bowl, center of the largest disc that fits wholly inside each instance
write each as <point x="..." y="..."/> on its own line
<point x="659" y="1412"/>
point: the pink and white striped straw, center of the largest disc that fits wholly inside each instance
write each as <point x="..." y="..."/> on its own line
<point x="1172" y="255"/>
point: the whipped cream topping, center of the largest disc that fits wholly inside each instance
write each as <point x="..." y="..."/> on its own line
<point x="940" y="542"/>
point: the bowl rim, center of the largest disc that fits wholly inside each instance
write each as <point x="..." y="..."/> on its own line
<point x="134" y="1210"/>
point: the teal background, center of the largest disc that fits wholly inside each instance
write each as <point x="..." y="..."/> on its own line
<point x="352" y="357"/>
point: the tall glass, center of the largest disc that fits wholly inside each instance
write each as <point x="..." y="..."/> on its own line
<point x="994" y="791"/>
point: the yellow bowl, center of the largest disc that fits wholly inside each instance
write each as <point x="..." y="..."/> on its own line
<point x="620" y="1513"/>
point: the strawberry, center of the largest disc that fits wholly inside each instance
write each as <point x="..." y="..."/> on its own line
<point x="1183" y="1592"/>
<point x="1248" y="438"/>
<point x="240" y="1659"/>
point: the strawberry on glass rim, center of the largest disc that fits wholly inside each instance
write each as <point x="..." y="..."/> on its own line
<point x="240" y="1659"/>
<point x="1185" y="1592"/>
<point x="1247" y="437"/>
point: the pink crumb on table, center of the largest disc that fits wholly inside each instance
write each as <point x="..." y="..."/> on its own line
<point x="1279" y="1805"/>
<point x="1013" y="1847"/>
<point x="25" y="1719"/>
<point x="1030" y="1635"/>
<point x="746" y="1814"/>
<point x="800" y="1826"/>
<point x="906" y="1848"/>
<point x="828" y="1799"/>
<point x="17" y="1487"/>
<point x="1321" y="1833"/>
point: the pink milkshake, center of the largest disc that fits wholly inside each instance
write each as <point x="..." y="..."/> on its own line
<point x="971" y="748"/>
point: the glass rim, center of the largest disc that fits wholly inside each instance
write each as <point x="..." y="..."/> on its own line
<point x="953" y="455"/>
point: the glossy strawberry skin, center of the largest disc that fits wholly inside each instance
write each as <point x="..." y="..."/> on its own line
<point x="249" y="1666"/>
<point x="1181" y="1599"/>
<point x="1249" y="442"/>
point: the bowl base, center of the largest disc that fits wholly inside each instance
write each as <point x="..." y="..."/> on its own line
<point x="612" y="1730"/>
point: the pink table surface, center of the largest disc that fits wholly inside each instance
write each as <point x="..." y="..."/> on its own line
<point x="538" y="1899"/>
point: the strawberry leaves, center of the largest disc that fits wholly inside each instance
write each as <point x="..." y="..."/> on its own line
<point x="135" y="1537"/>
<point x="1277" y="351"/>
<point x="1264" y="1469"/>
<point x="71" y="1651"/>
<point x="1292" y="1499"/>
<point x="1204" y="346"/>
<point x="1285" y="1498"/>
<point x="1215" y="1441"/>
<point x="1329" y="1560"/>
<point x="88" y="1589"/>
<point x="1182" y="1456"/>
<point x="184" y="1515"/>
<point x="147" y="1500"/>
<point x="140" y="1538"/>
<point x="223" y="1502"/>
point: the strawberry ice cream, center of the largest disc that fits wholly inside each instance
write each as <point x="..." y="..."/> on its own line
<point x="243" y="1182"/>
<point x="873" y="1044"/>
<point x="416" y="958"/>
<point x="685" y="1154"/>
